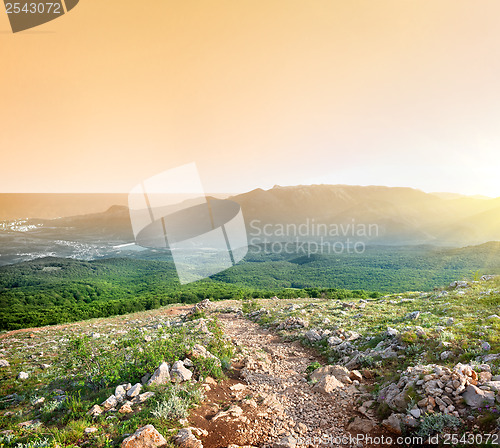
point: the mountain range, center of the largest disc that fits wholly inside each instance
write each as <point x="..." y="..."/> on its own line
<point x="402" y="216"/>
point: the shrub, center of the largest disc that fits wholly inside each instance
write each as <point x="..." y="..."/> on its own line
<point x="435" y="423"/>
<point x="174" y="401"/>
<point x="312" y="367"/>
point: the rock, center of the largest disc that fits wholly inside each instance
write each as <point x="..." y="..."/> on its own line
<point x="4" y="363"/>
<point x="120" y="393"/>
<point x="186" y="439"/>
<point x="409" y="421"/>
<point x="292" y="323"/>
<point x="95" y="411"/>
<point x="312" y="336"/>
<point x="38" y="402"/>
<point x="339" y="372"/>
<point x="485" y="278"/>
<point x="362" y="426"/>
<point x="141" y="398"/>
<point x="134" y="390"/>
<point x="180" y="373"/>
<point x="334" y="340"/>
<point x="145" y="437"/>
<point x="391" y="332"/>
<point x="34" y="422"/>
<point x="238" y="386"/>
<point x="328" y="384"/>
<point x="445" y="355"/>
<point x="413" y="315"/>
<point x="22" y="376"/>
<point x="388" y="353"/>
<point x="415" y="413"/>
<point x="393" y="423"/>
<point x="111" y="402"/>
<point x="125" y="409"/>
<point x="355" y="375"/>
<point x="493" y="385"/>
<point x="90" y="430"/>
<point x="485" y="376"/>
<point x="210" y="381"/>
<point x="476" y="398"/>
<point x="200" y="351"/>
<point x="198" y="431"/>
<point x="188" y="363"/>
<point x="286" y="442"/>
<point x="419" y="331"/>
<point x="161" y="375"/>
<point x="233" y="411"/>
<point x="450" y="321"/>
<point x="145" y="378"/>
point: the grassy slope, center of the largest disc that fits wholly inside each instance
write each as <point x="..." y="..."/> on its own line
<point x="85" y="371"/>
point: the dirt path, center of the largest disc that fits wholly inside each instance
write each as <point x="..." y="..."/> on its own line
<point x="275" y="373"/>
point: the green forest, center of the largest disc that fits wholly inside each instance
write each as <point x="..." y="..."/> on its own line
<point x="57" y="290"/>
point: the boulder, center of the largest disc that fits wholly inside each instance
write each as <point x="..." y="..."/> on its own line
<point x="4" y="363"/>
<point x="22" y="376"/>
<point x="355" y="375"/>
<point x="141" y="398"/>
<point x="339" y="372"/>
<point x="120" y="393"/>
<point x="410" y="421"/>
<point x="161" y="375"/>
<point x="476" y="398"/>
<point x="391" y="332"/>
<point x="200" y="351"/>
<point x="362" y="426"/>
<point x="95" y="410"/>
<point x="145" y="437"/>
<point x="393" y="423"/>
<point x="312" y="336"/>
<point x="186" y="439"/>
<point x="180" y="373"/>
<point x="328" y="384"/>
<point x="234" y="412"/>
<point x="109" y="403"/>
<point x="413" y="315"/>
<point x="125" y="409"/>
<point x="334" y="340"/>
<point x="134" y="390"/>
<point x="493" y="385"/>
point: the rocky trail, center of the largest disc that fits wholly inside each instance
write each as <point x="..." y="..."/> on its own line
<point x="269" y="401"/>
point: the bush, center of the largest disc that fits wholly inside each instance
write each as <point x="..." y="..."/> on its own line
<point x="174" y="401"/>
<point x="312" y="367"/>
<point x="435" y="423"/>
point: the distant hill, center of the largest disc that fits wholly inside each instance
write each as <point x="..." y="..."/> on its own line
<point x="403" y="215"/>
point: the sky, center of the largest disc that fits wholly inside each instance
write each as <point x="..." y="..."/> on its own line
<point x="256" y="93"/>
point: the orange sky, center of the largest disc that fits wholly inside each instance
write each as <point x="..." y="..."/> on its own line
<point x="256" y="92"/>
